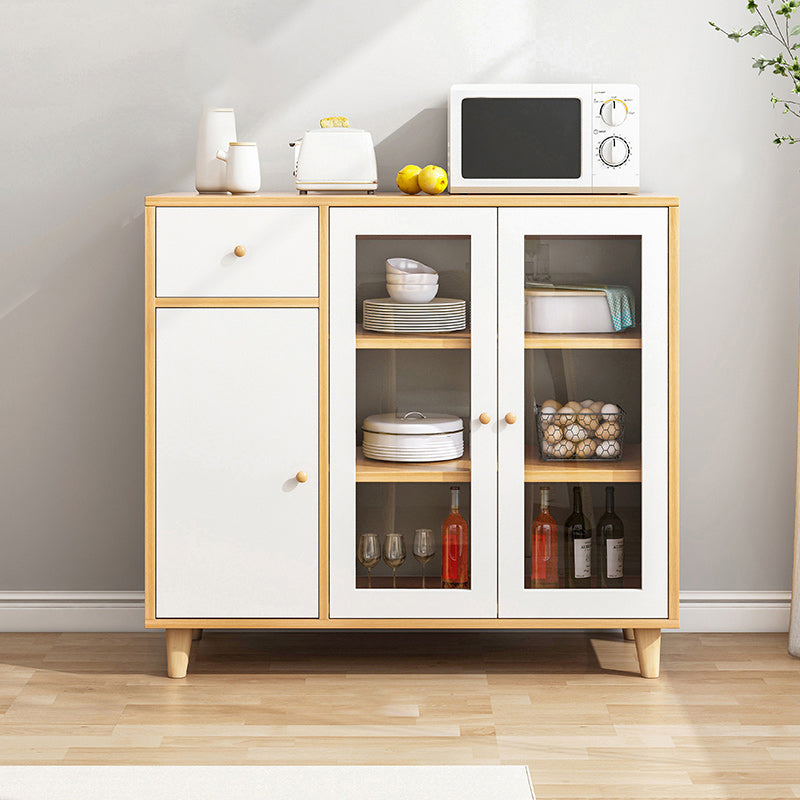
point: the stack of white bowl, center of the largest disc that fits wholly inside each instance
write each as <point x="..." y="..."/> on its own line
<point x="409" y="281"/>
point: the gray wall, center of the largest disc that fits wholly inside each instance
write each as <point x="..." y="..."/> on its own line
<point x="100" y="106"/>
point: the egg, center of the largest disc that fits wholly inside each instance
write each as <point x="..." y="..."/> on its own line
<point x="565" y="415"/>
<point x="564" y="449"/>
<point x="586" y="448"/>
<point x="609" y="411"/>
<point x="587" y="403"/>
<point x="548" y="413"/>
<point x="609" y="449"/>
<point x="588" y="419"/>
<point x="547" y="450"/>
<point x="553" y="434"/>
<point x="552" y="403"/>
<point x="575" y="433"/>
<point x="597" y="406"/>
<point x="608" y="430"/>
<point x="574" y="405"/>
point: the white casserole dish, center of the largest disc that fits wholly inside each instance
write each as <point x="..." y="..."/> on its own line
<point x="413" y="436"/>
<point x="567" y="311"/>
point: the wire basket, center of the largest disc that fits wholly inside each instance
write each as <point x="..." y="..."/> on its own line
<point x="580" y="436"/>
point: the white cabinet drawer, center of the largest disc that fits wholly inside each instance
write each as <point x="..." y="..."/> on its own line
<point x="196" y="252"/>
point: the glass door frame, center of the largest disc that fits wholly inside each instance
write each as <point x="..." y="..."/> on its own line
<point x="480" y="226"/>
<point x="652" y="600"/>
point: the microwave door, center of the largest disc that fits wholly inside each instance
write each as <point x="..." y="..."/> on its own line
<point x="526" y="143"/>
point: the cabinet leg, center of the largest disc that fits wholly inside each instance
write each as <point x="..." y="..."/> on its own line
<point x="197" y="634"/>
<point x="627" y="634"/>
<point x="648" y="649"/>
<point x="179" y="644"/>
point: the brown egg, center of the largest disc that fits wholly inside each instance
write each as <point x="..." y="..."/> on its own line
<point x="588" y="419"/>
<point x="565" y="415"/>
<point x="607" y="431"/>
<point x="586" y="448"/>
<point x="553" y="434"/>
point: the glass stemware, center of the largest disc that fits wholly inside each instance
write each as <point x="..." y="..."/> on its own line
<point x="369" y="553"/>
<point x="424" y="548"/>
<point x="394" y="553"/>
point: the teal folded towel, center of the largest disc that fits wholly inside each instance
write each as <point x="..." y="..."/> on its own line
<point x="622" y="305"/>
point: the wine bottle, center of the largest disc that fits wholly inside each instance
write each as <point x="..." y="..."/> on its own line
<point x="455" y="547"/>
<point x="578" y="546"/>
<point x="544" y="545"/>
<point x="610" y="541"/>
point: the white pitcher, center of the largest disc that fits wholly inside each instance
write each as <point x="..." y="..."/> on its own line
<point x="244" y="172"/>
<point x="217" y="129"/>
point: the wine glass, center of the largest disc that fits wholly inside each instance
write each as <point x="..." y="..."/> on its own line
<point x="369" y="553"/>
<point x="424" y="548"/>
<point x="394" y="553"/>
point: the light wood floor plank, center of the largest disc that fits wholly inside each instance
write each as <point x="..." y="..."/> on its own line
<point x="723" y="721"/>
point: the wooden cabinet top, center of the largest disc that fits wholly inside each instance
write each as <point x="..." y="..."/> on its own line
<point x="397" y="199"/>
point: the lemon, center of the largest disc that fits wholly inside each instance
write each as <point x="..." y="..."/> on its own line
<point x="407" y="179"/>
<point x="432" y="179"/>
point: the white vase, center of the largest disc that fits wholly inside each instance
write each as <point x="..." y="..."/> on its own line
<point x="243" y="175"/>
<point x="217" y="131"/>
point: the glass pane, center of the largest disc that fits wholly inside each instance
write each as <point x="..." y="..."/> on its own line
<point x="404" y="508"/>
<point x="614" y="557"/>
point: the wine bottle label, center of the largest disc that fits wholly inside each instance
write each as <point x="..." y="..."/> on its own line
<point x="583" y="558"/>
<point x="614" y="558"/>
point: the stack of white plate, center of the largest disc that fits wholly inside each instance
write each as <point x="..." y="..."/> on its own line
<point x="441" y="315"/>
<point x="413" y="437"/>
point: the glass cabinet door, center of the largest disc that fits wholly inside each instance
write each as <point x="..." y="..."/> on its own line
<point x="414" y="366"/>
<point x="583" y="413"/>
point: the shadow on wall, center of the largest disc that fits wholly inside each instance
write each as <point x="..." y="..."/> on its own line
<point x="422" y="140"/>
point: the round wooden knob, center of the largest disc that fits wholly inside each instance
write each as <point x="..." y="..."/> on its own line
<point x="301" y="476"/>
<point x="239" y="250"/>
<point x="485" y="418"/>
<point x="511" y="418"/>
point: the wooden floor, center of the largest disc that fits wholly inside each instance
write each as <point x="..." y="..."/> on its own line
<point x="723" y="721"/>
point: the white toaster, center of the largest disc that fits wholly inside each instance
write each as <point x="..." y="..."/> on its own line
<point x="335" y="159"/>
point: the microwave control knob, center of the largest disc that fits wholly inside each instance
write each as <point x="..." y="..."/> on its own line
<point x="613" y="112"/>
<point x="614" y="151"/>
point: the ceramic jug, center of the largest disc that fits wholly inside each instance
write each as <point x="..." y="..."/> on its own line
<point x="217" y="130"/>
<point x="243" y="175"/>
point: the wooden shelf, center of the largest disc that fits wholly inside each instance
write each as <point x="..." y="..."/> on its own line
<point x="368" y="340"/>
<point x="627" y="470"/>
<point x="625" y="340"/>
<point x="432" y="581"/>
<point x="368" y="471"/>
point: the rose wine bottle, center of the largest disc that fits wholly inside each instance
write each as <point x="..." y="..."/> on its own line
<point x="610" y="541"/>
<point x="455" y="547"/>
<point x="544" y="546"/>
<point x="578" y="546"/>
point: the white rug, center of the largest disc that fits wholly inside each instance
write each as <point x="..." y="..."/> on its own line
<point x="265" y="783"/>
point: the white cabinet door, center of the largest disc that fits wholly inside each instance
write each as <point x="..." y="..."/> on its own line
<point x="599" y="245"/>
<point x="369" y="377"/>
<point x="236" y="420"/>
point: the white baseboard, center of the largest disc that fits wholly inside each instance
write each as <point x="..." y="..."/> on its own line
<point x="73" y="612"/>
<point x="735" y="612"/>
<point x="123" y="612"/>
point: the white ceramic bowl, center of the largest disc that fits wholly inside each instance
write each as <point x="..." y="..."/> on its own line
<point x="411" y="280"/>
<point x="412" y="294"/>
<point x="407" y="266"/>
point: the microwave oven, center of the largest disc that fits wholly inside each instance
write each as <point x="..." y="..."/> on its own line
<point x="544" y="137"/>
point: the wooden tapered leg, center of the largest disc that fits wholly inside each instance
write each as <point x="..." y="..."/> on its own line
<point x="179" y="644"/>
<point x="648" y="649"/>
<point x="627" y="633"/>
<point x="197" y="634"/>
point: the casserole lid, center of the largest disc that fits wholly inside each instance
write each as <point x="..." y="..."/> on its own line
<point x="413" y="422"/>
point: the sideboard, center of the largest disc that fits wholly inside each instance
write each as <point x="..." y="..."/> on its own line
<point x="258" y="373"/>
